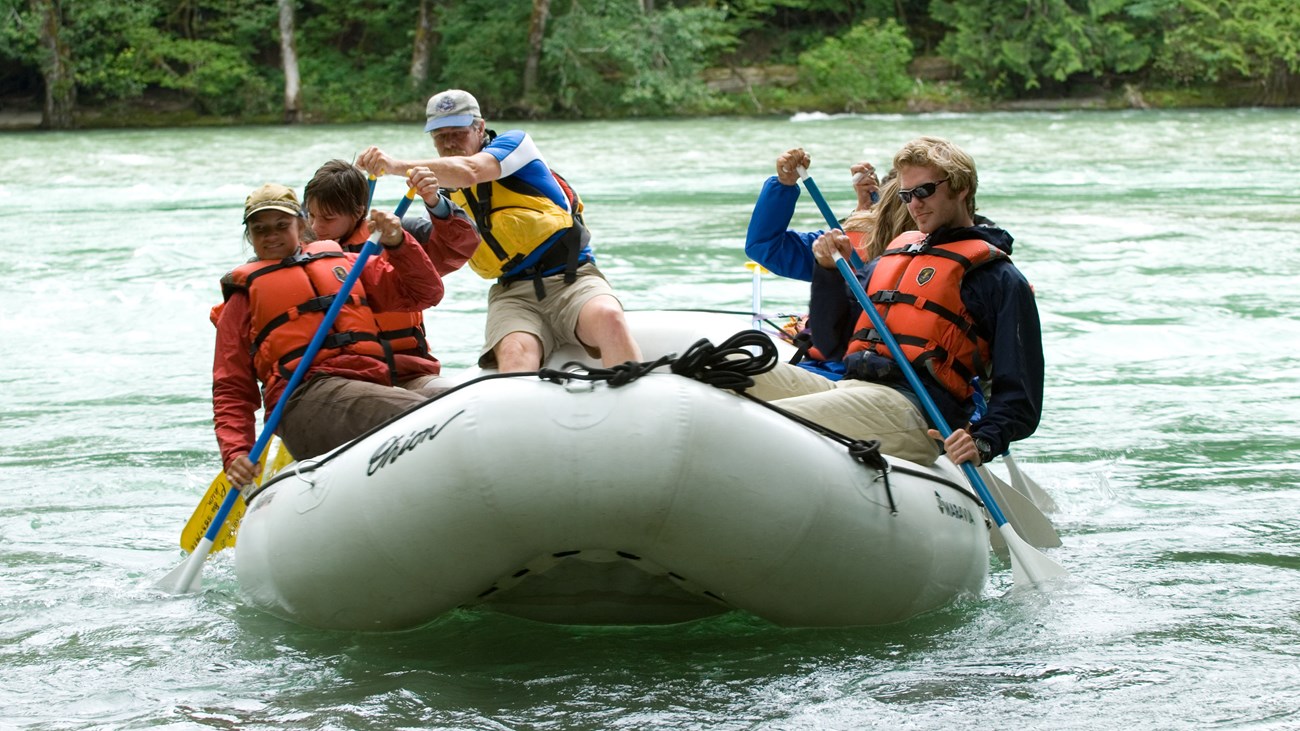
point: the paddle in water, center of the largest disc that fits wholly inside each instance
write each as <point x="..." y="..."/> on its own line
<point x="1025" y="484"/>
<point x="206" y="512"/>
<point x="188" y="576"/>
<point x="1027" y="563"/>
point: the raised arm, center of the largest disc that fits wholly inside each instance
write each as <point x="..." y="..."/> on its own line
<point x="455" y="171"/>
<point x="403" y="279"/>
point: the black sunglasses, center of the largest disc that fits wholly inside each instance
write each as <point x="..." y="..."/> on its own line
<point x="921" y="191"/>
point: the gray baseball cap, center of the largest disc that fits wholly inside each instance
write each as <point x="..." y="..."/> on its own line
<point x="451" y="108"/>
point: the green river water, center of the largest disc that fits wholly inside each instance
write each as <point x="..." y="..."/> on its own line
<point x="1164" y="248"/>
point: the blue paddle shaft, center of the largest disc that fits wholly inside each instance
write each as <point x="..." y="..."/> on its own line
<point x="273" y="421"/>
<point x="832" y="222"/>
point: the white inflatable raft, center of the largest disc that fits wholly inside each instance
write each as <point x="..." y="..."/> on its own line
<point x="660" y="500"/>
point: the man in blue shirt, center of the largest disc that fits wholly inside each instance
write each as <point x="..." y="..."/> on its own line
<point x="548" y="291"/>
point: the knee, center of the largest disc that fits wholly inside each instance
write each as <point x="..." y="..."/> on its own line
<point x="518" y="352"/>
<point x="603" y="315"/>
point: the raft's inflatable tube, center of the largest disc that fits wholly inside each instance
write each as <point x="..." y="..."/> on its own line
<point x="661" y="500"/>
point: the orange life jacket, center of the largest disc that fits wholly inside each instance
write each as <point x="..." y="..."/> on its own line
<point x="287" y="302"/>
<point x="401" y="331"/>
<point x="916" y="289"/>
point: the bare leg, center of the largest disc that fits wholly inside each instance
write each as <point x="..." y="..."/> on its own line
<point x="601" y="325"/>
<point x="518" y="351"/>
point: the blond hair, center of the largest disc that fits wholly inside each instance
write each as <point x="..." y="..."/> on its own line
<point x="952" y="160"/>
<point x="882" y="222"/>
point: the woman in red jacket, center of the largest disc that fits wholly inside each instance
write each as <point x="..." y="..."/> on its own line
<point x="275" y="302"/>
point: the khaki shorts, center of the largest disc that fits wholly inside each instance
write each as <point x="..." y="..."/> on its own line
<point x="553" y="320"/>
<point x="856" y="409"/>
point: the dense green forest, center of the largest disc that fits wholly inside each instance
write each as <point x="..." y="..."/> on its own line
<point x="103" y="62"/>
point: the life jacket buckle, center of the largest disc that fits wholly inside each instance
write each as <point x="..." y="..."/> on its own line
<point x="339" y="340"/>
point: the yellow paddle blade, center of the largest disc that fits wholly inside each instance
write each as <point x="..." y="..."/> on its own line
<point x="216" y="494"/>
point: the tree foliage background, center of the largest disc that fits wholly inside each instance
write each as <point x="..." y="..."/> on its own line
<point x="220" y="59"/>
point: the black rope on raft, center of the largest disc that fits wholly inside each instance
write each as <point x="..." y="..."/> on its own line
<point x="731" y="365"/>
<point x="618" y="375"/>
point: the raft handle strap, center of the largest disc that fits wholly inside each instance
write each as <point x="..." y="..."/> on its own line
<point x="867" y="451"/>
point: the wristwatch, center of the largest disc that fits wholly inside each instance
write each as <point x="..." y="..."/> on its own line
<point x="984" y="448"/>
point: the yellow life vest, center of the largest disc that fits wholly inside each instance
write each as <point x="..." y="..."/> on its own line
<point x="513" y="220"/>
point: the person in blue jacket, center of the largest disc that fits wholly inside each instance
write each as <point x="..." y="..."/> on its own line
<point x="780" y="249"/>
<point x="951" y="296"/>
<point x="787" y="252"/>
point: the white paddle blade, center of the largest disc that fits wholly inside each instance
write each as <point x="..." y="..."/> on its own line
<point x="1027" y="487"/>
<point x="188" y="577"/>
<point x="1028" y="565"/>
<point x="1021" y="513"/>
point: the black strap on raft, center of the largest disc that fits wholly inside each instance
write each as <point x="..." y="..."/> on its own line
<point x="619" y="375"/>
<point x="803" y="343"/>
<point x="868" y="453"/>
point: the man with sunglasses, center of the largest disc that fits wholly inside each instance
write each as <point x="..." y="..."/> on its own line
<point x="955" y="303"/>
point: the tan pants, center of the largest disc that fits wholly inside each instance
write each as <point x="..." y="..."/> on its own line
<point x="328" y="411"/>
<point x="429" y="385"/>
<point x="857" y="409"/>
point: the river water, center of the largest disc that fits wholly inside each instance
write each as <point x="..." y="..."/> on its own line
<point x="1165" y="252"/>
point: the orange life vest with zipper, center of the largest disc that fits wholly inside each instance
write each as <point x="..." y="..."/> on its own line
<point x="287" y="302"/>
<point x="916" y="288"/>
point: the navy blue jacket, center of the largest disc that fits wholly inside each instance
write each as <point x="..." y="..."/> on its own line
<point x="1002" y="305"/>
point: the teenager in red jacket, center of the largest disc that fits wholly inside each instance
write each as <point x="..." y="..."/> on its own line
<point x="337" y="200"/>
